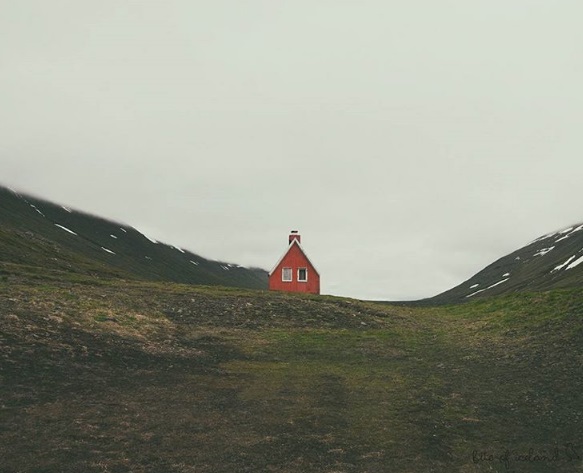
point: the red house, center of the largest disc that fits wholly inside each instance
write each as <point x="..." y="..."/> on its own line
<point x="294" y="272"/>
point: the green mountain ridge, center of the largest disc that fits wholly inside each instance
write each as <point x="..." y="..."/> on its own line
<point x="39" y="233"/>
<point x="552" y="261"/>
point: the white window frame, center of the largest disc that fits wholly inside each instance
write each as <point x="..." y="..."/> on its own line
<point x="303" y="280"/>
<point x="291" y="275"/>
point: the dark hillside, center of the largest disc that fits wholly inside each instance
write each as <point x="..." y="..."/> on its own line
<point x="38" y="233"/>
<point x="552" y="261"/>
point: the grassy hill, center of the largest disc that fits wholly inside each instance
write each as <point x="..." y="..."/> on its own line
<point x="553" y="261"/>
<point x="161" y="377"/>
<point x="42" y="234"/>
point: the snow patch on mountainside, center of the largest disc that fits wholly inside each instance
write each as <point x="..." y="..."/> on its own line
<point x="34" y="207"/>
<point x="497" y="284"/>
<point x="489" y="287"/>
<point x="570" y="232"/>
<point x="477" y="292"/>
<point x="577" y="262"/>
<point x="561" y="266"/>
<point x="560" y="232"/>
<point x="65" y="228"/>
<point x="543" y="251"/>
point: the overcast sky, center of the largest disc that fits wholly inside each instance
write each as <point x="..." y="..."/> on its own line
<point x="410" y="142"/>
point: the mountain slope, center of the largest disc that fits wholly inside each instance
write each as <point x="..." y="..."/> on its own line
<point x="552" y="261"/>
<point x="38" y="233"/>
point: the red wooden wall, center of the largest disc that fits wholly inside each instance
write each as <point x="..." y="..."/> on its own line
<point x="295" y="259"/>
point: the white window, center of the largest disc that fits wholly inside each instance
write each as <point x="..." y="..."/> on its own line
<point x="302" y="274"/>
<point x="286" y="274"/>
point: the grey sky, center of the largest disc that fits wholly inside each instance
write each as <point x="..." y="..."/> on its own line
<point x="411" y="143"/>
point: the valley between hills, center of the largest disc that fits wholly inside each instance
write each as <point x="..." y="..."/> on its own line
<point x="119" y="353"/>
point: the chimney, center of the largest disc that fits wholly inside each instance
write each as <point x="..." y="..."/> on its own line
<point x="294" y="235"/>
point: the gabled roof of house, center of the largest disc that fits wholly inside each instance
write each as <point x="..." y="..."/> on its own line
<point x="294" y="242"/>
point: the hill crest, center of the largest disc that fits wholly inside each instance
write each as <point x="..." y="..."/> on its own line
<point x="40" y="233"/>
<point x="551" y="261"/>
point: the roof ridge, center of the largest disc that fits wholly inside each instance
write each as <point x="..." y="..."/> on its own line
<point x="288" y="250"/>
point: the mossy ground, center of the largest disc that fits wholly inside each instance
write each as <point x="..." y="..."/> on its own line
<point x="113" y="376"/>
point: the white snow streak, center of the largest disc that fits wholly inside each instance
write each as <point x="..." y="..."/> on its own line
<point x="496" y="284"/>
<point x="123" y="230"/>
<point x="561" y="266"/>
<point x="179" y="249"/>
<point x="489" y="287"/>
<point x="474" y="293"/>
<point x="37" y="210"/>
<point x="506" y="275"/>
<point x="577" y="262"/>
<point x="543" y="251"/>
<point x="194" y="262"/>
<point x="109" y="251"/>
<point x="66" y="208"/>
<point x="571" y="231"/>
<point x="475" y="285"/>
<point x="65" y="228"/>
<point x="113" y="236"/>
<point x="544" y="237"/>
